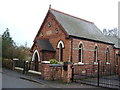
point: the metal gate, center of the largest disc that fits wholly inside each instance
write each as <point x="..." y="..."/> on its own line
<point x="99" y="74"/>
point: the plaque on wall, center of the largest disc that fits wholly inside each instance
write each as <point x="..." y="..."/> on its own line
<point x="49" y="32"/>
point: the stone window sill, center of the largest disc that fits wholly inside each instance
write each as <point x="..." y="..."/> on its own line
<point x="96" y="63"/>
<point x="47" y="62"/>
<point x="107" y="63"/>
<point x="80" y="63"/>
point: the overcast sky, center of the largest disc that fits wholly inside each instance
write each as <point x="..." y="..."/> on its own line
<point x="24" y="17"/>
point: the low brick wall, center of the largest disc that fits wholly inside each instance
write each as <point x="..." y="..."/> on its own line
<point x="56" y="71"/>
<point x="46" y="73"/>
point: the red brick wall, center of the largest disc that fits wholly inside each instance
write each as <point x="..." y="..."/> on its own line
<point x="88" y="51"/>
<point x="88" y="46"/>
<point x="48" y="56"/>
<point x="51" y="72"/>
<point x="46" y="72"/>
<point x="32" y="66"/>
<point x="55" y="38"/>
<point x="36" y="47"/>
<point x="88" y="56"/>
<point x="56" y="73"/>
<point x="116" y="53"/>
<point x="117" y="64"/>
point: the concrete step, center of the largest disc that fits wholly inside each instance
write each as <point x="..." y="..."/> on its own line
<point x="30" y="72"/>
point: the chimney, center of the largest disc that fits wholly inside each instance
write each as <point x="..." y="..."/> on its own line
<point x="50" y="6"/>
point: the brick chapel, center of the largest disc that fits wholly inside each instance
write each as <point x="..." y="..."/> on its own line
<point x="67" y="38"/>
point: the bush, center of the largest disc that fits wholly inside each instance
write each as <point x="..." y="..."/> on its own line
<point x="20" y="63"/>
<point x="60" y="62"/>
<point x="53" y="61"/>
<point x="7" y="63"/>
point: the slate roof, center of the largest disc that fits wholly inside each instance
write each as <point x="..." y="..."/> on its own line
<point x="115" y="40"/>
<point x="45" y="45"/>
<point x="119" y="43"/>
<point x="78" y="27"/>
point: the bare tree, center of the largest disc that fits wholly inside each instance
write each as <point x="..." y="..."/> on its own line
<point x="105" y="31"/>
<point x="111" y="32"/>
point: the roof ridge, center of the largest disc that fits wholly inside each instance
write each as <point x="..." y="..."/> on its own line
<point x="71" y="15"/>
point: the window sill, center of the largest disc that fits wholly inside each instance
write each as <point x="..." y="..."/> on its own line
<point x="80" y="63"/>
<point x="107" y="63"/>
<point x="46" y="62"/>
<point x="96" y="63"/>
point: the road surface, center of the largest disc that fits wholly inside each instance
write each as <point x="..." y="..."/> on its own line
<point x="13" y="81"/>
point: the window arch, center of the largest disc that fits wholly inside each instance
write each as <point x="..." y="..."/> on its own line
<point x="60" y="42"/>
<point x="95" y="54"/>
<point x="60" y="46"/>
<point x="36" y="56"/>
<point x="107" y="55"/>
<point x="80" y="53"/>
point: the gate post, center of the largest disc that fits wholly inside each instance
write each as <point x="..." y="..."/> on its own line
<point x="46" y="71"/>
<point x="14" y="63"/>
<point x="98" y="71"/>
<point x="67" y="73"/>
<point x="119" y="80"/>
<point x="24" y="68"/>
<point x="72" y="67"/>
<point x="119" y="68"/>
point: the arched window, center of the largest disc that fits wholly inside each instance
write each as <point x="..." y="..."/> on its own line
<point x="36" y="59"/>
<point x="60" y="52"/>
<point x="36" y="56"/>
<point x="107" y="55"/>
<point x="95" y="54"/>
<point x="60" y="46"/>
<point x="117" y="58"/>
<point x="80" y="52"/>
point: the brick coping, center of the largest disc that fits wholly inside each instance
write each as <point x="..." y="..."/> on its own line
<point x="30" y="71"/>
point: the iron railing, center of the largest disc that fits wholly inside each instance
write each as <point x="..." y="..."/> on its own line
<point x="99" y="74"/>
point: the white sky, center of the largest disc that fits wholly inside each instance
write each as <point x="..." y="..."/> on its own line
<point x="24" y="17"/>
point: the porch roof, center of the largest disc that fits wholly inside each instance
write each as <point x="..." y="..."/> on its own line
<point x="45" y="45"/>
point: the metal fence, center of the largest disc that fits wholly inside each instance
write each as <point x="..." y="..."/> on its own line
<point x="99" y="74"/>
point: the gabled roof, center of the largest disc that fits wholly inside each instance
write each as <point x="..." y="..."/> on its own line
<point x="45" y="45"/>
<point x="79" y="27"/>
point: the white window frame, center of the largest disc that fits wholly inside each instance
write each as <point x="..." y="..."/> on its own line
<point x="58" y="46"/>
<point x="108" y="56"/>
<point x="81" y="62"/>
<point x="96" y="49"/>
<point x="33" y="57"/>
<point x="81" y="53"/>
